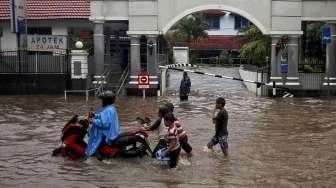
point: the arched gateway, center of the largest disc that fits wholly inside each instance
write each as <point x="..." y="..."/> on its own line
<point x="151" y="18"/>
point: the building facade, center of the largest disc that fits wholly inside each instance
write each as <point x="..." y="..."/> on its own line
<point x="276" y="18"/>
<point x="142" y="21"/>
<point x="223" y="29"/>
<point x="37" y="60"/>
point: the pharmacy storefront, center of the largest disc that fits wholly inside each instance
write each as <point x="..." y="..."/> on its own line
<point x="51" y="43"/>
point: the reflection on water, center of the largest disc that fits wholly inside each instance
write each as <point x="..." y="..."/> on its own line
<point x="272" y="142"/>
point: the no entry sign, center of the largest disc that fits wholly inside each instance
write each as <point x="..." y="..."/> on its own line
<point x="143" y="81"/>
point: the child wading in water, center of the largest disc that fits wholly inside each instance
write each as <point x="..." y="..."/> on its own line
<point x="220" y="119"/>
<point x="160" y="127"/>
<point x="182" y="134"/>
<point x="173" y="150"/>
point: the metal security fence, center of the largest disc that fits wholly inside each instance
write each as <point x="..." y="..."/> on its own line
<point x="34" y="63"/>
<point x="311" y="81"/>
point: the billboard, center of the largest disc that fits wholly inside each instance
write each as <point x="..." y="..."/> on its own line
<point x="326" y="35"/>
<point x="49" y="43"/>
<point x="18" y="16"/>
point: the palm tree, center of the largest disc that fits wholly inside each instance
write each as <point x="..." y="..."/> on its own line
<point x="256" y="46"/>
<point x="190" y="29"/>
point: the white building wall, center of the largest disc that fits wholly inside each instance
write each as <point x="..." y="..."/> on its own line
<point x="252" y="76"/>
<point x="59" y="30"/>
<point x="109" y="10"/>
<point x="8" y="39"/>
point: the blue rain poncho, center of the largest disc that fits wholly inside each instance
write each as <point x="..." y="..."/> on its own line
<point x="105" y="125"/>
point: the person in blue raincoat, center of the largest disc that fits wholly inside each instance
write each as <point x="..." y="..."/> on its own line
<point x="105" y="124"/>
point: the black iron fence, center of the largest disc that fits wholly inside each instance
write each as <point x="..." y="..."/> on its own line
<point x="34" y="63"/>
<point x="312" y="65"/>
<point x="221" y="61"/>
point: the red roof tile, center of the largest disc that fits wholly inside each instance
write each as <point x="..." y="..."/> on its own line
<point x="50" y="9"/>
<point x="214" y="12"/>
<point x="218" y="42"/>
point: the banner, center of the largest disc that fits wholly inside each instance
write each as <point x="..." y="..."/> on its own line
<point x="46" y="43"/>
<point x="326" y="35"/>
<point x="18" y="16"/>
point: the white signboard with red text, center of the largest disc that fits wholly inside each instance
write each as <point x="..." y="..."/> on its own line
<point x="46" y="43"/>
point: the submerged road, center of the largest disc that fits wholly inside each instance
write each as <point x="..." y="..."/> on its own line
<point x="272" y="142"/>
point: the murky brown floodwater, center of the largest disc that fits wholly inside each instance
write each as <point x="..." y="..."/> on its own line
<point x="272" y="142"/>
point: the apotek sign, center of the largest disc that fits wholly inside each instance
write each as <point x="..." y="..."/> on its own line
<point x="46" y="43"/>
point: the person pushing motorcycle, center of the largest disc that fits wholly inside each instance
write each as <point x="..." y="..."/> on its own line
<point x="105" y="125"/>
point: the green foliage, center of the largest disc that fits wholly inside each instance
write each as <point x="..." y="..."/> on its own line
<point x="225" y="57"/>
<point x="313" y="40"/>
<point x="213" y="60"/>
<point x="88" y="45"/>
<point x="256" y="46"/>
<point x="312" y="52"/>
<point x="190" y="29"/>
<point x="193" y="57"/>
<point x="308" y="68"/>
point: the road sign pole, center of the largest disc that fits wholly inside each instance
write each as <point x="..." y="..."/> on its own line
<point x="143" y="83"/>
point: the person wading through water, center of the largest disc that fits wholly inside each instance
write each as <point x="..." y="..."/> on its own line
<point x="220" y="119"/>
<point x="173" y="146"/>
<point x="160" y="127"/>
<point x="181" y="133"/>
<point x="105" y="125"/>
<point x="185" y="87"/>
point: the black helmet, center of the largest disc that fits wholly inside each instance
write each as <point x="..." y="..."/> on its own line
<point x="106" y="94"/>
<point x="108" y="97"/>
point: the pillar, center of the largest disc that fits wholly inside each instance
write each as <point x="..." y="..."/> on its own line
<point x="152" y="67"/>
<point x="330" y="78"/>
<point x="79" y="69"/>
<point x="135" y="63"/>
<point x="99" y="47"/>
<point x="135" y="67"/>
<point x="293" y="61"/>
<point x="275" y="62"/>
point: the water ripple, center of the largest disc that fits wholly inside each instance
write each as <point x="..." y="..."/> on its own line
<point x="272" y="142"/>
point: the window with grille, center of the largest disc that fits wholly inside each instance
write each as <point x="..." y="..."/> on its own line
<point x="213" y="22"/>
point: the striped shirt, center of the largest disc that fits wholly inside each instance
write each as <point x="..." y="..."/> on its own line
<point x="181" y="133"/>
<point x="172" y="135"/>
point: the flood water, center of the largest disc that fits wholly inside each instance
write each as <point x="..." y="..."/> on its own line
<point x="282" y="142"/>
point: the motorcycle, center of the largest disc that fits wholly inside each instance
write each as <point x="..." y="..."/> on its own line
<point x="129" y="144"/>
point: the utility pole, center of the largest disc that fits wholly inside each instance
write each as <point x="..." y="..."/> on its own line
<point x="18" y="23"/>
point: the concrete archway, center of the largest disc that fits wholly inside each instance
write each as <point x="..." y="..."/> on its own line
<point x="241" y="12"/>
<point x="154" y="17"/>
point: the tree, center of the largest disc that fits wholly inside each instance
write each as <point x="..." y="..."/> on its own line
<point x="256" y="46"/>
<point x="312" y="40"/>
<point x="190" y="29"/>
<point x="312" y="50"/>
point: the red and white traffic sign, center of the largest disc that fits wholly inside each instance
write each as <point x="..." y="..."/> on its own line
<point x="143" y="81"/>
